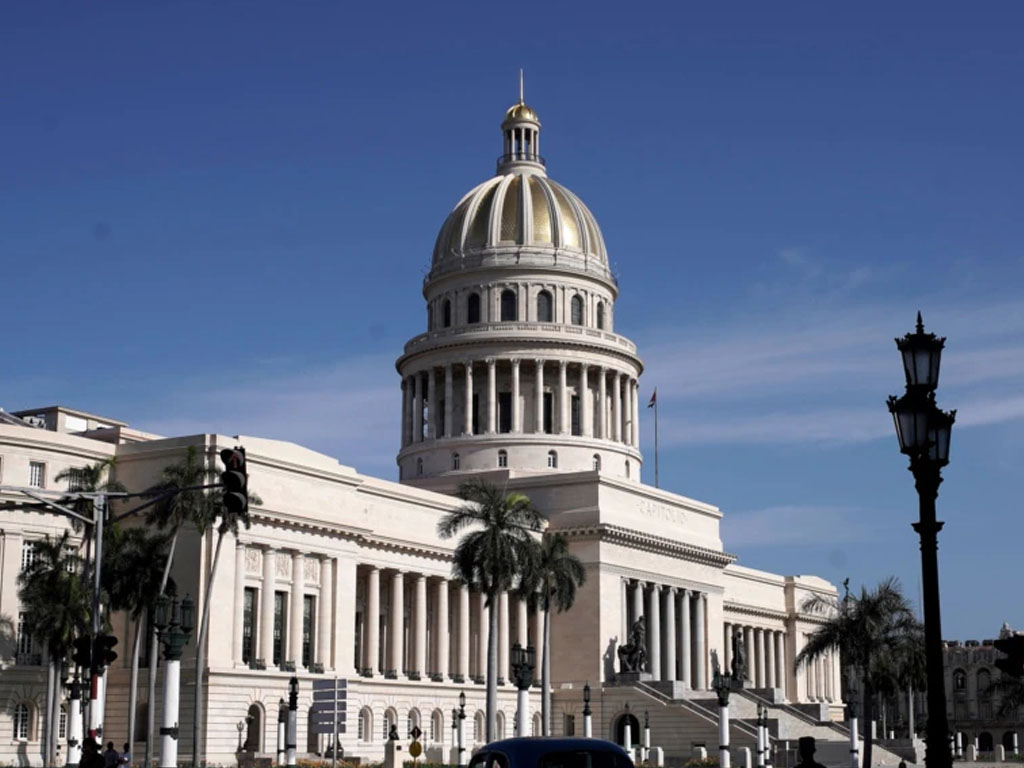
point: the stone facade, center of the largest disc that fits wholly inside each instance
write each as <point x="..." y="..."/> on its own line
<point x="342" y="574"/>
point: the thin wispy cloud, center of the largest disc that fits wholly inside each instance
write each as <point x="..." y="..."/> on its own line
<point x="795" y="524"/>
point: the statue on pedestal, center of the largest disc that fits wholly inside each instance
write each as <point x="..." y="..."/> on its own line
<point x="633" y="655"/>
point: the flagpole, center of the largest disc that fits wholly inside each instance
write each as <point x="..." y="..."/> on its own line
<point x="656" y="444"/>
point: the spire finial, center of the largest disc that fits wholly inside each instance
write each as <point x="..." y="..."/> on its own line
<point x="521" y="85"/>
<point x="920" y="323"/>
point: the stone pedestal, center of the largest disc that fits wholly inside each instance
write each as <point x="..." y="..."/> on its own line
<point x="971" y="754"/>
<point x="744" y="757"/>
<point x="393" y="754"/>
<point x="630" y="678"/>
<point x="656" y="756"/>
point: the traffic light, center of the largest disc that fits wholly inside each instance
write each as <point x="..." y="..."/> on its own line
<point x="83" y="652"/>
<point x="235" y="481"/>
<point x="103" y="654"/>
<point x="1013" y="647"/>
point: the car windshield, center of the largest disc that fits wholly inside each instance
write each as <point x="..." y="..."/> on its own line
<point x="583" y="758"/>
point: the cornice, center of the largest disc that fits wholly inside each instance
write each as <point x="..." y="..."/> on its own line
<point x="753" y="610"/>
<point x="615" y="534"/>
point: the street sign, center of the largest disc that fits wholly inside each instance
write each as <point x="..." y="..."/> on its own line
<point x="322" y="695"/>
<point x="327" y="707"/>
<point x="325" y="726"/>
<point x="329" y="710"/>
<point x="415" y="749"/>
<point x="329" y="684"/>
<point x="415" y="733"/>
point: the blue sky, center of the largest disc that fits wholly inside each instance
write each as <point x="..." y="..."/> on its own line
<point x="218" y="217"/>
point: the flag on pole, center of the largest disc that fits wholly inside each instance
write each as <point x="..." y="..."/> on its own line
<point x="654" y="399"/>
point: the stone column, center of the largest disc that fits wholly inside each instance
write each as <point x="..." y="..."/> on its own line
<point x="636" y="411"/>
<point x="432" y="433"/>
<point x="638" y="607"/>
<point x="417" y="408"/>
<point x="371" y="653"/>
<point x="685" y="637"/>
<point x="239" y="617"/>
<point x="654" y="631"/>
<point x="602" y="411"/>
<point x="449" y="395"/>
<point x="442" y="642"/>
<point x="759" y="656"/>
<point x="406" y="412"/>
<point x="517" y="425"/>
<point x="769" y="659"/>
<point x="467" y="427"/>
<point x="492" y="395"/>
<point x="700" y="630"/>
<point x="295" y="628"/>
<point x="503" y="632"/>
<point x="539" y="397"/>
<point x="627" y="407"/>
<point x="781" y="666"/>
<point x="563" y="399"/>
<point x="522" y="623"/>
<point x="624" y="599"/>
<point x="669" y="671"/>
<point x="462" y="669"/>
<point x="396" y="625"/>
<point x="586" y="410"/>
<point x="420" y="626"/>
<point x="748" y="646"/>
<point x="481" y="640"/>
<point x="616" y="431"/>
<point x="324" y="618"/>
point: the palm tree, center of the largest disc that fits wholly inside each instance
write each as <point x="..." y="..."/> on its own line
<point x="133" y="567"/>
<point x="552" y="584"/>
<point x="866" y="629"/>
<point x="497" y="550"/>
<point x="57" y="607"/>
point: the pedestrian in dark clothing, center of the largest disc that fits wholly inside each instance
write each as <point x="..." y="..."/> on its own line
<point x="807" y="749"/>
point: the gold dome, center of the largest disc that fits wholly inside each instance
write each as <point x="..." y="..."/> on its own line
<point x="521" y="111"/>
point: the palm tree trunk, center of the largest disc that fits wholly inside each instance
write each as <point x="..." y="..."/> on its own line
<point x="133" y="692"/>
<point x="201" y="656"/>
<point x="869" y="716"/>
<point x="545" y="678"/>
<point x="154" y="650"/>
<point x="492" y="667"/>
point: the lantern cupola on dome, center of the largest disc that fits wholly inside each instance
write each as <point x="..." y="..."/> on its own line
<point x="521" y="132"/>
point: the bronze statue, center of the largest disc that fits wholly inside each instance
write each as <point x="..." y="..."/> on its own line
<point x="633" y="655"/>
<point x="739" y="658"/>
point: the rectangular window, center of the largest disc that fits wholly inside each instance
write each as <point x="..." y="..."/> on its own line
<point x="76" y="479"/>
<point x="476" y="414"/>
<point x="574" y="414"/>
<point x="24" y="638"/>
<point x="37" y="474"/>
<point x="308" y="622"/>
<point x="248" y="620"/>
<point x="21" y="715"/>
<point x="549" y="410"/>
<point x="570" y="725"/>
<point x="28" y="554"/>
<point x="440" y="417"/>
<point x="505" y="412"/>
<point x="62" y="725"/>
<point x="280" y="600"/>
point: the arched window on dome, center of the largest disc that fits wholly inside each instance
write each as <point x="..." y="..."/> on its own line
<point x="473" y="308"/>
<point x="627" y="468"/>
<point x="600" y="315"/>
<point x="502" y="458"/>
<point x="597" y="463"/>
<point x="509" y="311"/>
<point x="545" y="308"/>
<point x="456" y="461"/>
<point x="446" y="313"/>
<point x="552" y="459"/>
<point x="577" y="310"/>
<point x="419" y="467"/>
<point x="430" y="318"/>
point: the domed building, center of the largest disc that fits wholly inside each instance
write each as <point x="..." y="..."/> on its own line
<point x="518" y="378"/>
<point x="520" y="367"/>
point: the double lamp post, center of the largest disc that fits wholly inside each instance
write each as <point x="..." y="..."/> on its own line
<point x="924" y="431"/>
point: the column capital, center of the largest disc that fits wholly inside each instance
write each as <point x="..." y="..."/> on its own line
<point x="539" y="361"/>
<point x="563" y="364"/>
<point x="655" y="587"/>
<point x="491" y="362"/>
<point x="584" y="366"/>
<point x="514" y="361"/>
<point x="447" y="367"/>
<point x="468" y="365"/>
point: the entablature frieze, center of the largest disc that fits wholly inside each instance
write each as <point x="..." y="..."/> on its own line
<point x="649" y="543"/>
<point x="663" y="581"/>
<point x="754" y="611"/>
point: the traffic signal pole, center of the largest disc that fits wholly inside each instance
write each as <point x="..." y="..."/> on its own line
<point x="95" y="697"/>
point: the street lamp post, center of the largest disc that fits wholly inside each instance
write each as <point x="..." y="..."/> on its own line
<point x="293" y="713"/>
<point x="524" y="661"/>
<point x="924" y="431"/>
<point x="282" y="728"/>
<point x="588" y="720"/>
<point x="722" y="686"/>
<point x="174" y="622"/>
<point x="462" y="729"/>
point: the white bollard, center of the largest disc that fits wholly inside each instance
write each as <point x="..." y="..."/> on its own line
<point x="588" y="726"/>
<point x="971" y="755"/>
<point x="1015" y="751"/>
<point x="523" y="713"/>
<point x="1000" y="753"/>
<point x="75" y="730"/>
<point x="656" y="757"/>
<point x="168" y="730"/>
<point x="647" y="744"/>
<point x="96" y="708"/>
<point x="959" y="744"/>
<point x="854" y="744"/>
<point x="627" y="738"/>
<point x="745" y="756"/>
<point x="282" y="726"/>
<point x="760" y="746"/>
<point x="463" y="752"/>
<point x="291" y="737"/>
<point x="700" y="753"/>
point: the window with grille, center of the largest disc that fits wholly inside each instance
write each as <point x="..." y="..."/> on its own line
<point x="545" y="312"/>
<point x="24" y="638"/>
<point x="76" y="479"/>
<point x="28" y="554"/>
<point x="62" y="725"/>
<point x="37" y="474"/>
<point x="597" y="463"/>
<point x="577" y="310"/>
<point x="280" y="598"/>
<point x="473" y="308"/>
<point x="502" y="459"/>
<point x="21" y="722"/>
<point x="248" y="620"/>
<point x="552" y="460"/>
<point x="308" y="620"/>
<point x="509" y="311"/>
<point x="570" y="725"/>
<point x="446" y="313"/>
<point x="600" y="315"/>
<point x="456" y="461"/>
<point x="549" y="411"/>
<point x="574" y="415"/>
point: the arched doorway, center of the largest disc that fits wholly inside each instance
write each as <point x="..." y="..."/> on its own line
<point x="985" y="742"/>
<point x="620" y="729"/>
<point x="253" y="728"/>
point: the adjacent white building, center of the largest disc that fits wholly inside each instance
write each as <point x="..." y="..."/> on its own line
<point x="519" y="377"/>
